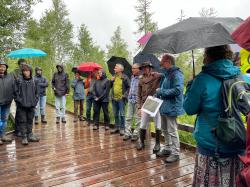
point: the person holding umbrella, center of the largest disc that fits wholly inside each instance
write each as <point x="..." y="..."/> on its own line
<point x="120" y="85"/>
<point x="203" y="97"/>
<point x="6" y="97"/>
<point x="42" y="83"/>
<point x="148" y="84"/>
<point x="60" y="85"/>
<point x="16" y="74"/>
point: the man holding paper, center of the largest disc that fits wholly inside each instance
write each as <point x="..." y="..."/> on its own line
<point x="148" y="84"/>
<point x="171" y="92"/>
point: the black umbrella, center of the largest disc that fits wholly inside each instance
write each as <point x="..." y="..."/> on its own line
<point x="192" y="33"/>
<point x="142" y="57"/>
<point x="119" y="60"/>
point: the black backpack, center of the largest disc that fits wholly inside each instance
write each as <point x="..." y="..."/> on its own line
<point x="230" y="129"/>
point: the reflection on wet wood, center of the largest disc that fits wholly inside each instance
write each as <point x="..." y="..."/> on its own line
<point x="75" y="155"/>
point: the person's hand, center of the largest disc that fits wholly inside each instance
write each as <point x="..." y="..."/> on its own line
<point x="54" y="88"/>
<point x="66" y="94"/>
<point x="157" y="90"/>
<point x="112" y="78"/>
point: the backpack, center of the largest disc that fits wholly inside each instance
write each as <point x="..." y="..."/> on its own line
<point x="230" y="128"/>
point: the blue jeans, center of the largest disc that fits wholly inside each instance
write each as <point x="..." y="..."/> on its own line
<point x="41" y="104"/>
<point x="119" y="112"/>
<point x="4" y="115"/>
<point x="60" y="103"/>
<point x="89" y="104"/>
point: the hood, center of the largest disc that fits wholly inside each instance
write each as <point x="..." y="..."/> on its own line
<point x="59" y="65"/>
<point x="3" y="63"/>
<point x="222" y="69"/>
<point x="103" y="74"/>
<point x="37" y="69"/>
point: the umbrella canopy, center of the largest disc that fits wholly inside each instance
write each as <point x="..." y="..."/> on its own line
<point x="26" y="53"/>
<point x="144" y="39"/>
<point x="88" y="66"/>
<point x="242" y="34"/>
<point x="141" y="57"/>
<point x="119" y="60"/>
<point x="192" y="33"/>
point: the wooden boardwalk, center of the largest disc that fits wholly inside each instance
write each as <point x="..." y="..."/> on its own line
<point x="75" y="155"/>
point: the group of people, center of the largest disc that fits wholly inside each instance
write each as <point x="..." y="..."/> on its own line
<point x="202" y="98"/>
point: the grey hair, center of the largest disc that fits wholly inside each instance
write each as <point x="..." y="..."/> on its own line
<point x="121" y="66"/>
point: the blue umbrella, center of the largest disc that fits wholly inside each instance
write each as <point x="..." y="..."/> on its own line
<point x="26" y="53"/>
<point x="142" y="57"/>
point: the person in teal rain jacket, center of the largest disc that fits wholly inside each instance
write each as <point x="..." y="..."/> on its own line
<point x="203" y="97"/>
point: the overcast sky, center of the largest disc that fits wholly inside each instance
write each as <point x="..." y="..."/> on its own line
<point x="103" y="16"/>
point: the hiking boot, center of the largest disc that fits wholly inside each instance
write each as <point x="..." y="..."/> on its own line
<point x="1" y="143"/>
<point x="106" y="127"/>
<point x="63" y="120"/>
<point x="134" y="138"/>
<point x="172" y="158"/>
<point x="114" y="131"/>
<point x="57" y="120"/>
<point x="43" y="120"/>
<point x="81" y="118"/>
<point x="163" y="153"/>
<point x="126" y="137"/>
<point x="36" y="120"/>
<point x="157" y="146"/>
<point x="122" y="132"/>
<point x="25" y="141"/>
<point x="5" y="138"/>
<point x="140" y="143"/>
<point x="95" y="127"/>
<point x="33" y="138"/>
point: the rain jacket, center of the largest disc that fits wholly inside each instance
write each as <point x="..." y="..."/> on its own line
<point x="6" y="89"/>
<point x="171" y="92"/>
<point x="78" y="86"/>
<point x="101" y="88"/>
<point x="60" y="83"/>
<point x="203" y="97"/>
<point x="42" y="84"/>
<point x="147" y="87"/>
<point x="26" y="92"/>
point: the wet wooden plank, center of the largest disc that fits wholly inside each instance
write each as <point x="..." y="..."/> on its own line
<point x="75" y="155"/>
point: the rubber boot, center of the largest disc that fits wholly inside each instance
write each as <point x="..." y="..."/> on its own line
<point x="140" y="143"/>
<point x="43" y="120"/>
<point x="36" y="120"/>
<point x="157" y="146"/>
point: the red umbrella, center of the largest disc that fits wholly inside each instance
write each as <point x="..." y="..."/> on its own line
<point x="88" y="66"/>
<point x="242" y="34"/>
